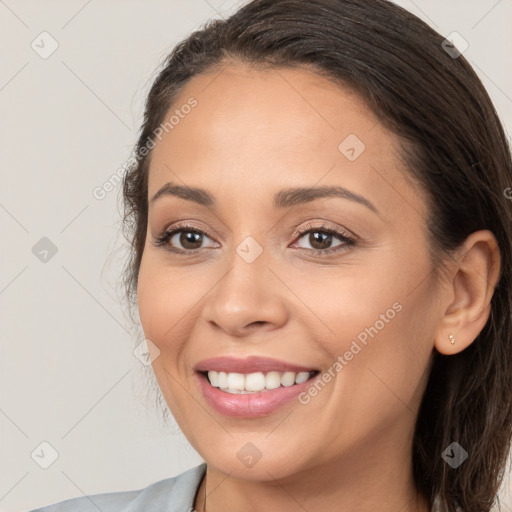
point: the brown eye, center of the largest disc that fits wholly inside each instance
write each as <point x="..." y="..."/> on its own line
<point x="189" y="239"/>
<point x="181" y="240"/>
<point x="320" y="239"/>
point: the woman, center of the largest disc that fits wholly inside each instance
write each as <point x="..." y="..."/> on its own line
<point x="321" y="236"/>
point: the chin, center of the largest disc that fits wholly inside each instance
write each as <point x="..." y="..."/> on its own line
<point x="251" y="457"/>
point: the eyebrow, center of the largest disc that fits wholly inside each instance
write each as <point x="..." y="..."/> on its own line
<point x="282" y="199"/>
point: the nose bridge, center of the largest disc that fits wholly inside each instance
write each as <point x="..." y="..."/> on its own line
<point x="249" y="239"/>
<point x="246" y="281"/>
<point x="247" y="293"/>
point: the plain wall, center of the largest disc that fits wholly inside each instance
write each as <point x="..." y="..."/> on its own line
<point x="68" y="375"/>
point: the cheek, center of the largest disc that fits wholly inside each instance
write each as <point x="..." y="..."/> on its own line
<point x="166" y="301"/>
<point x="367" y="294"/>
<point x="379" y="315"/>
<point x="388" y="380"/>
<point x="393" y="343"/>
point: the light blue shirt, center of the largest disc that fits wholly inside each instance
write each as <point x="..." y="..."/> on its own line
<point x="175" y="494"/>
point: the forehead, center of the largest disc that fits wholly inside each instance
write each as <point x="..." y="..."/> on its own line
<point x="263" y="129"/>
<point x="243" y="103"/>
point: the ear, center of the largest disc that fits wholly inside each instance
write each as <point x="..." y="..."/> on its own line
<point x="470" y="290"/>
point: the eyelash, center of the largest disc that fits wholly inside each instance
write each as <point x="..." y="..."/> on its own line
<point x="348" y="241"/>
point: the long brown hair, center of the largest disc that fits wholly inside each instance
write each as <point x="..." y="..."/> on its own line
<point x="455" y="148"/>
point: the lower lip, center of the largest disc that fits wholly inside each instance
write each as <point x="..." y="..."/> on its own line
<point x="251" y="405"/>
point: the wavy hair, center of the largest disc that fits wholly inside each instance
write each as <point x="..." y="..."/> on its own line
<point x="454" y="146"/>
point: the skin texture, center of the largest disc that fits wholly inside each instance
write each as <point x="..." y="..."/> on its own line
<point x="253" y="133"/>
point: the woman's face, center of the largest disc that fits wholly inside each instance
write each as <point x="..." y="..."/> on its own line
<point x="262" y="276"/>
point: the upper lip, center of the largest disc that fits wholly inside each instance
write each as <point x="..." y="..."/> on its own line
<point x="249" y="364"/>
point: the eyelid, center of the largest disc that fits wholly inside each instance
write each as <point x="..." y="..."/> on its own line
<point x="186" y="226"/>
<point x="323" y="226"/>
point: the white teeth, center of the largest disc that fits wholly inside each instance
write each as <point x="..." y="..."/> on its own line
<point x="301" y="377"/>
<point x="236" y="381"/>
<point x="253" y="381"/>
<point x="272" y="380"/>
<point x="240" y="383"/>
<point x="223" y="379"/>
<point x="288" y="379"/>
<point x="214" y="379"/>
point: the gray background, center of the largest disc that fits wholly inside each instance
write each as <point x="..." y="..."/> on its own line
<point x="68" y="375"/>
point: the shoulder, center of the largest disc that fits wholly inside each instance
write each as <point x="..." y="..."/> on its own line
<point x="171" y="494"/>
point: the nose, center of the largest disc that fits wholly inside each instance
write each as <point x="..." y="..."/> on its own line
<point x="248" y="297"/>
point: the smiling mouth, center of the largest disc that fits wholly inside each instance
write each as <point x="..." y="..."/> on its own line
<point x="257" y="382"/>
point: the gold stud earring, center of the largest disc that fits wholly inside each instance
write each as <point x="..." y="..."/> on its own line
<point x="452" y="339"/>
